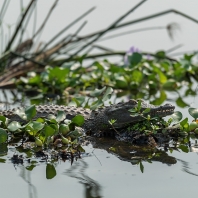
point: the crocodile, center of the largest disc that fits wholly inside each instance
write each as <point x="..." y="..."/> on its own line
<point x="98" y="120"/>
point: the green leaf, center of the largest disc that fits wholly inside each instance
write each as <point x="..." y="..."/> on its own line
<point x="48" y="131"/>
<point x="78" y="120"/>
<point x="139" y="105"/>
<point x="64" y="129"/>
<point x="80" y="148"/>
<point x="4" y="121"/>
<point x="30" y="112"/>
<point x="31" y="167"/>
<point x="193" y="112"/>
<point x="79" y="100"/>
<point x="141" y="167"/>
<point x="50" y="171"/>
<point x="58" y="74"/>
<point x="60" y="116"/>
<point x="21" y="113"/>
<point x="14" y="126"/>
<point x="34" y="127"/>
<point x="97" y="92"/>
<point x="177" y="116"/>
<point x="161" y="54"/>
<point x="34" y="80"/>
<point x="184" y="148"/>
<point x="184" y="123"/>
<point x="113" y="149"/>
<point x="147" y="110"/>
<point x="135" y="58"/>
<point x="2" y="118"/>
<point x="3" y="136"/>
<point x="3" y="147"/>
<point x="121" y="82"/>
<point x="96" y="104"/>
<point x="181" y="103"/>
<point x="74" y="134"/>
<point x="170" y="85"/>
<point x="107" y="94"/>
<point x="161" y="99"/>
<point x="137" y="76"/>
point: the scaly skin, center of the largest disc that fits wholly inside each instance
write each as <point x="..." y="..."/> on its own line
<point x="99" y="120"/>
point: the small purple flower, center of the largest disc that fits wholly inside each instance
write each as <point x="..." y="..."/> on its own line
<point x="130" y="52"/>
<point x="148" y="57"/>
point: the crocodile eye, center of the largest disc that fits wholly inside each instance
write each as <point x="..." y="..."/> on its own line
<point x="134" y="102"/>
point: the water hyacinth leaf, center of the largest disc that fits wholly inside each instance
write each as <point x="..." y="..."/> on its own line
<point x="60" y="116"/>
<point x="184" y="123"/>
<point x="96" y="104"/>
<point x="4" y="121"/>
<point x="78" y="120"/>
<point x="75" y="134"/>
<point x="35" y="80"/>
<point x="137" y="76"/>
<point x="121" y="82"/>
<point x="64" y="129"/>
<point x="80" y="148"/>
<point x="161" y="99"/>
<point x="3" y="148"/>
<point x="107" y="94"/>
<point x="162" y="76"/>
<point x="54" y="126"/>
<point x="141" y="167"/>
<point x="135" y="58"/>
<point x="35" y="127"/>
<point x="21" y="113"/>
<point x="177" y="116"/>
<point x="30" y="112"/>
<point x="193" y="126"/>
<point x="3" y="136"/>
<point x="184" y="148"/>
<point x="14" y="126"/>
<point x="2" y="118"/>
<point x="51" y="117"/>
<point x="38" y="142"/>
<point x="79" y="100"/>
<point x="161" y="54"/>
<point x="73" y="104"/>
<point x="170" y="85"/>
<point x="181" y="103"/>
<point x="31" y="167"/>
<point x="193" y="112"/>
<point x="48" y="131"/>
<point x="97" y="92"/>
<point x="50" y="171"/>
<point x="58" y="73"/>
<point x="41" y="120"/>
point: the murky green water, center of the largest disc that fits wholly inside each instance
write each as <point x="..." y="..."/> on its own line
<point x="101" y="174"/>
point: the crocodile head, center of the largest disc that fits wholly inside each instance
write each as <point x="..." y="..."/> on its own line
<point x="120" y="112"/>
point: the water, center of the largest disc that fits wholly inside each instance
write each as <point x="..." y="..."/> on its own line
<point x="104" y="176"/>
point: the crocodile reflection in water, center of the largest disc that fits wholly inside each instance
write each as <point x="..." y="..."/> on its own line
<point x="92" y="187"/>
<point x="127" y="152"/>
